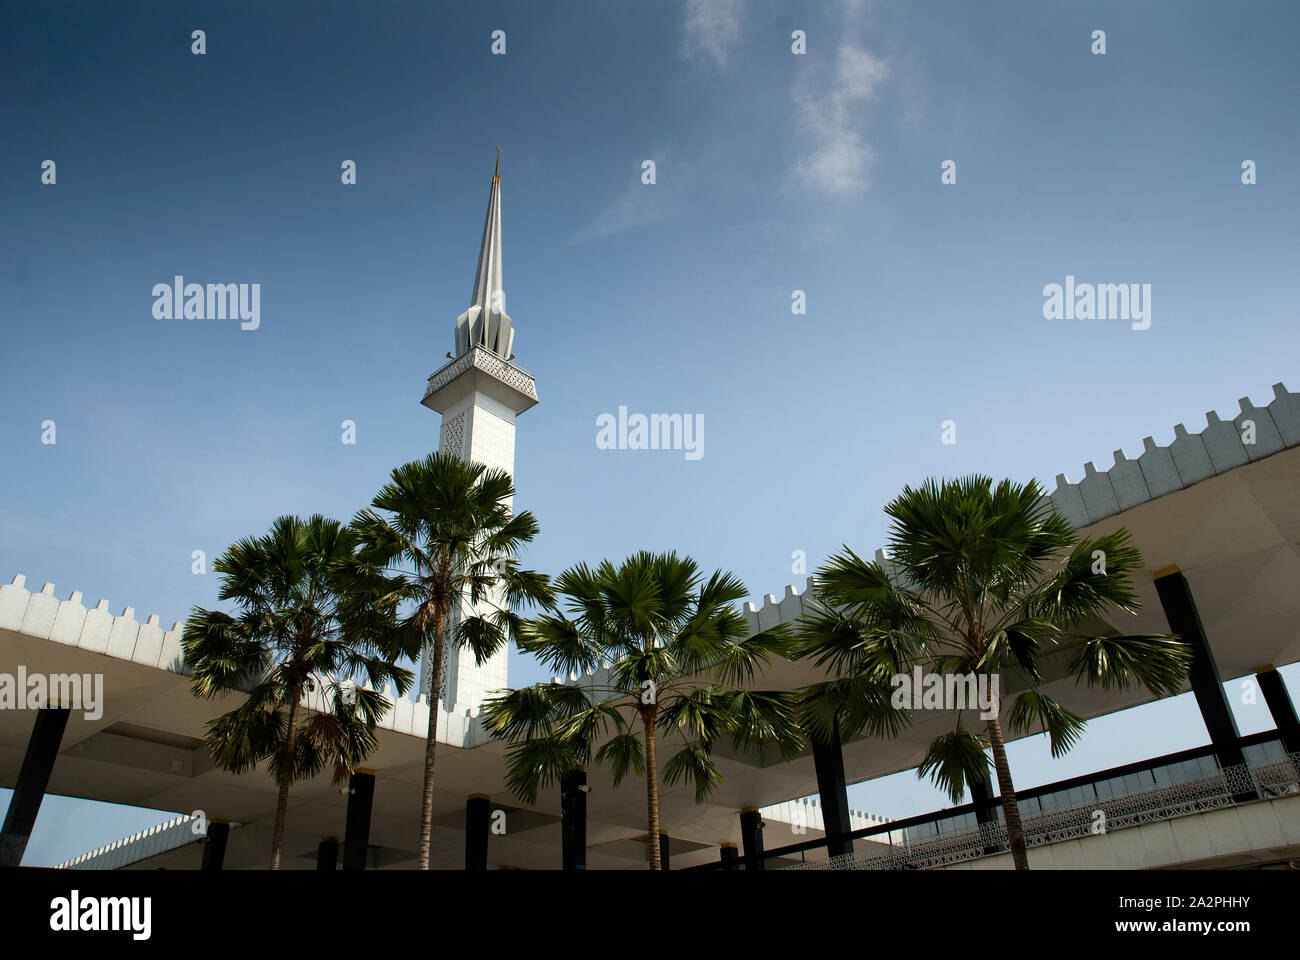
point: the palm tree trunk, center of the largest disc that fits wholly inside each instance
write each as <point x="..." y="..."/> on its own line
<point x="652" y="786"/>
<point x="431" y="744"/>
<point x="286" y="778"/>
<point x="1010" y="808"/>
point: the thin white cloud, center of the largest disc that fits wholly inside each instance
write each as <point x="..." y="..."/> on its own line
<point x="829" y="122"/>
<point x="712" y="29"/>
<point x="638" y="206"/>
<point x="641" y="204"/>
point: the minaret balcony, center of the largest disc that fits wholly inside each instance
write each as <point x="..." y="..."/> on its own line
<point x="480" y="370"/>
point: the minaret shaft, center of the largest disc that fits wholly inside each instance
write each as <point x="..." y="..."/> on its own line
<point x="481" y="429"/>
<point x="479" y="394"/>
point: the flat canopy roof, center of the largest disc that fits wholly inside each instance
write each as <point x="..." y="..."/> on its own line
<point x="1234" y="533"/>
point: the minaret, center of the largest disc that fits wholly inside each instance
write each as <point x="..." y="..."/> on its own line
<point x="479" y="393"/>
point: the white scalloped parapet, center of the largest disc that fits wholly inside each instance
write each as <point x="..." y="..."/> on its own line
<point x="786" y="610"/>
<point x="807" y="812"/>
<point x="44" y="616"/>
<point x="167" y="836"/>
<point x="1191" y="457"/>
<point x="1158" y="471"/>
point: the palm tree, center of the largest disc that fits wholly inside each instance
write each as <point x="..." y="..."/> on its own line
<point x="678" y="653"/>
<point x="448" y="543"/>
<point x="985" y="579"/>
<point x="303" y="624"/>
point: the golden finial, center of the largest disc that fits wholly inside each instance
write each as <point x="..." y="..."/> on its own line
<point x="496" y="174"/>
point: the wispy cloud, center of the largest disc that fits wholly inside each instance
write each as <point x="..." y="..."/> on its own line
<point x="829" y="119"/>
<point x="712" y="29"/>
<point x="638" y="206"/>
<point x="641" y="204"/>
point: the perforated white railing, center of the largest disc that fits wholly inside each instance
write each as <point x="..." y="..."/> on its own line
<point x="1267" y="779"/>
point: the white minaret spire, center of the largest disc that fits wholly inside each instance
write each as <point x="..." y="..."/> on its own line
<point x="486" y="321"/>
<point x="479" y="394"/>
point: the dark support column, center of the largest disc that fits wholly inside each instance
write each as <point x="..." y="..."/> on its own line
<point x="573" y="819"/>
<point x="356" y="840"/>
<point x="214" y="846"/>
<point x="327" y="854"/>
<point x="751" y="837"/>
<point x="1180" y="611"/>
<point x="729" y="856"/>
<point x="33" y="778"/>
<point x="663" y="850"/>
<point x="477" y="815"/>
<point x="1280" y="706"/>
<point x="828" y="760"/>
<point x="979" y="795"/>
<point x="982" y="796"/>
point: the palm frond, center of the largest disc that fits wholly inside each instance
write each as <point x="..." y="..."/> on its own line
<point x="694" y="764"/>
<point x="1160" y="662"/>
<point x="1035" y="712"/>
<point x="953" y="760"/>
<point x="623" y="752"/>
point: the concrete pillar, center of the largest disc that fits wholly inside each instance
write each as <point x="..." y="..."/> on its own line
<point x="1280" y="706"/>
<point x="214" y="845"/>
<point x="828" y="760"/>
<point x="327" y="854"/>
<point x="981" y="794"/>
<point x="33" y="777"/>
<point x="1207" y="685"/>
<point x="356" y="839"/>
<point x="477" y="816"/>
<point x="573" y="820"/>
<point x="751" y="837"/>
<point x="729" y="856"/>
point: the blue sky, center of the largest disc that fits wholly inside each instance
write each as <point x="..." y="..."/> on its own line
<point x="774" y="173"/>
